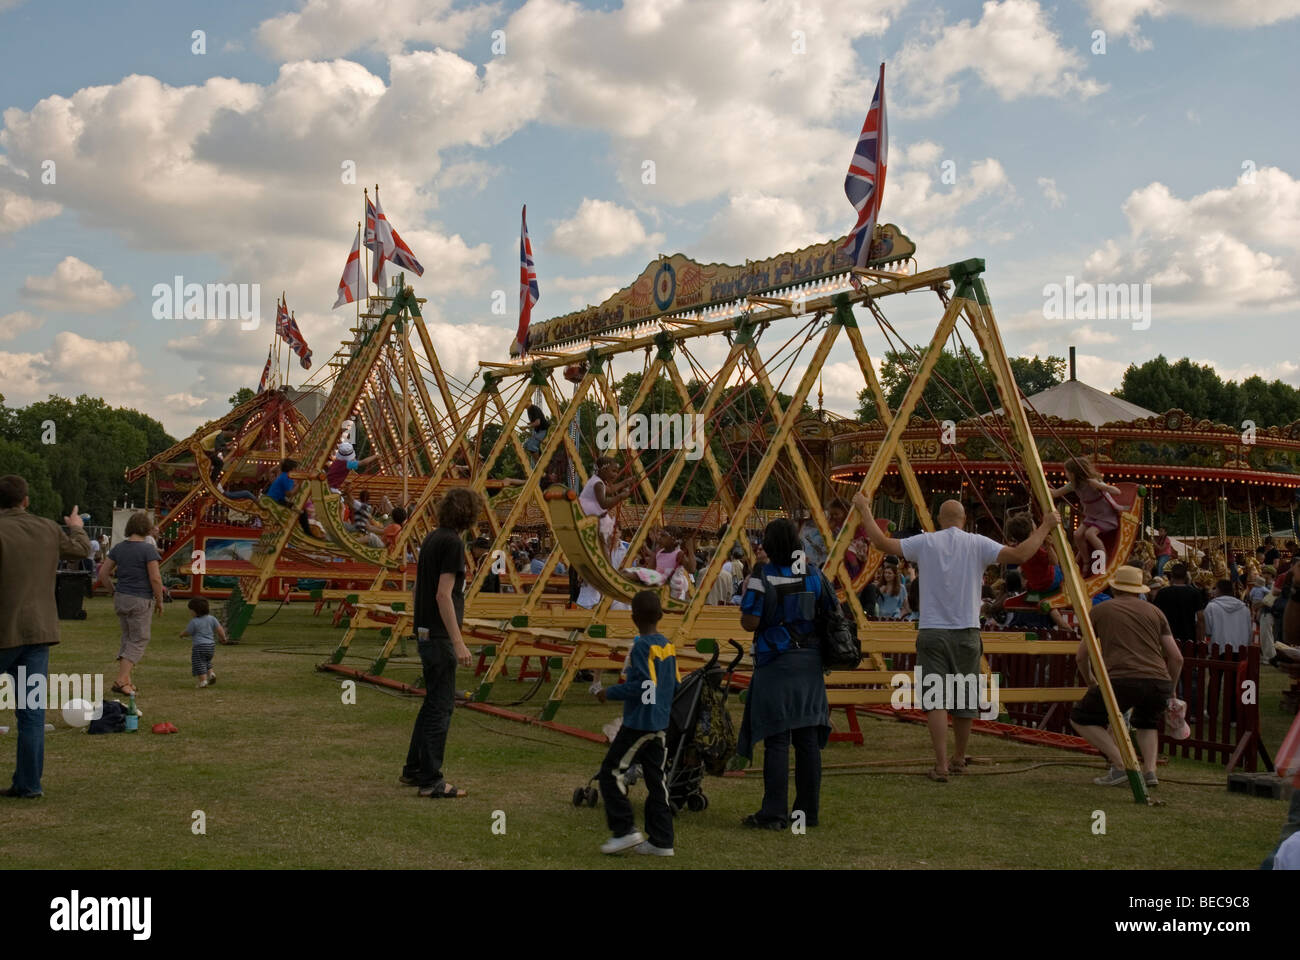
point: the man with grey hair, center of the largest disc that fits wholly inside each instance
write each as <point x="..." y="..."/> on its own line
<point x="950" y="571"/>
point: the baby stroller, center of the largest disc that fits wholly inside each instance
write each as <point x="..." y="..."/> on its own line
<point x="701" y="737"/>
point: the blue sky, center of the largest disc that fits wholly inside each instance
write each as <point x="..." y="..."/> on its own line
<point x="1122" y="167"/>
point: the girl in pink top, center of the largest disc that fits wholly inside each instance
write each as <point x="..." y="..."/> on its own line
<point x="674" y="563"/>
<point x="1100" y="511"/>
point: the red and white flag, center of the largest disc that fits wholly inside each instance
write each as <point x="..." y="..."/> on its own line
<point x="529" y="292"/>
<point x="350" y="285"/>
<point x="266" y="372"/>
<point x="386" y="243"/>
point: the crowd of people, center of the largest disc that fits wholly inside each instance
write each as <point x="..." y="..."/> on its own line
<point x="951" y="582"/>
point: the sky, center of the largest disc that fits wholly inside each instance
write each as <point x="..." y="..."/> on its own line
<point x="1148" y="142"/>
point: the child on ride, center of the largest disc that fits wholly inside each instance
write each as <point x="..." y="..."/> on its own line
<point x="1040" y="573"/>
<point x="1100" y="512"/>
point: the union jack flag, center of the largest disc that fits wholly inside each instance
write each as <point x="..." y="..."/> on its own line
<point x="529" y="293"/>
<point x="298" y="344"/>
<point x="386" y="243"/>
<point x="865" y="181"/>
<point x="266" y="372"/>
<point x="282" y="319"/>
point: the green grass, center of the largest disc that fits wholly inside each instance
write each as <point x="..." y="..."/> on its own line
<point x="290" y="776"/>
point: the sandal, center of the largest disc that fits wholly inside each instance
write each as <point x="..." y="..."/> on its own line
<point x="128" y="690"/>
<point x="934" y="774"/>
<point x="445" y="791"/>
<point x="957" y="767"/>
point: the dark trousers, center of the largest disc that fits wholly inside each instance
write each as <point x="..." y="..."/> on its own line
<point x="807" y="775"/>
<point x="429" y="738"/>
<point x="647" y="748"/>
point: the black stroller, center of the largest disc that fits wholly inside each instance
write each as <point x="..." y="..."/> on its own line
<point x="701" y="737"/>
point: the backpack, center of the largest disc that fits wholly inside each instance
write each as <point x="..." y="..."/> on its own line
<point x="111" y="720"/>
<point x="783" y="605"/>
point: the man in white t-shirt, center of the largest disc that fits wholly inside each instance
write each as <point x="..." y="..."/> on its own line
<point x="950" y="564"/>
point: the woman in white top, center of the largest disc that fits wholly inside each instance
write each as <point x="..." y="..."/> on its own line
<point x="601" y="494"/>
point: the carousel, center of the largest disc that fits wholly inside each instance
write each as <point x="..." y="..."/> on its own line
<point x="1213" y="479"/>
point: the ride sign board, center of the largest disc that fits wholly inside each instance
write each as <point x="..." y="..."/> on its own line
<point x="677" y="283"/>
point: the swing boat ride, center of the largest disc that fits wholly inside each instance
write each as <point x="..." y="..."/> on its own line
<point x="429" y="436"/>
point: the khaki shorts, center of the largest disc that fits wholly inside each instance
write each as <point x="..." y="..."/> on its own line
<point x="950" y="652"/>
<point x="136" y="617"/>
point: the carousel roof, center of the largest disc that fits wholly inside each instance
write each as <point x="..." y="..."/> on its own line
<point x="1075" y="400"/>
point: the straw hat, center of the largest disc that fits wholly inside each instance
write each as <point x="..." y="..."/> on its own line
<point x="1129" y="580"/>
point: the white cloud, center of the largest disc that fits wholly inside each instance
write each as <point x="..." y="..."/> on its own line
<point x="1100" y="372"/>
<point x="1055" y="198"/>
<point x="601" y="228"/>
<point x="1012" y="49"/>
<point x="73" y="365"/>
<point x="1122" y="16"/>
<point x="1088" y="335"/>
<point x="1218" y="251"/>
<point x="587" y="291"/>
<point x="333" y="28"/>
<point x="75" y="287"/>
<point x="18" y="211"/>
<point x="186" y="400"/>
<point x="20" y="321"/>
<point x="756" y="225"/>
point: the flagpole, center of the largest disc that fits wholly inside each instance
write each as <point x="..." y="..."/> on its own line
<point x="359" y="264"/>
<point x="365" y="211"/>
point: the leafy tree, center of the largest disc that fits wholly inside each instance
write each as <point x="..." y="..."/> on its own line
<point x="93" y="445"/>
<point x="960" y="386"/>
<point x="28" y="465"/>
<point x="1199" y="390"/>
<point x="241" y="396"/>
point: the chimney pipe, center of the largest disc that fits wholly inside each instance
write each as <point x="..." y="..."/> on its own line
<point x="1072" y="377"/>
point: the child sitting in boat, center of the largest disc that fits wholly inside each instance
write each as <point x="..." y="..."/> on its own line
<point x="1041" y="573"/>
<point x="1100" y="510"/>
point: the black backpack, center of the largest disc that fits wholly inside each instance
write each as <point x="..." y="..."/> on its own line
<point x="112" y="720"/>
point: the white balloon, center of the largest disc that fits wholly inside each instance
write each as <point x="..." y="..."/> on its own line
<point x="79" y="713"/>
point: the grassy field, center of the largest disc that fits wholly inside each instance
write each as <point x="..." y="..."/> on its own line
<point x="287" y="775"/>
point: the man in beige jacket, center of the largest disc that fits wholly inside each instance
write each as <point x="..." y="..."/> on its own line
<point x="30" y="550"/>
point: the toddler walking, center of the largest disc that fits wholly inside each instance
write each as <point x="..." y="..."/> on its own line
<point x="205" y="630"/>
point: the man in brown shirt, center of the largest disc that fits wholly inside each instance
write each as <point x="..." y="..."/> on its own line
<point x="30" y="550"/>
<point x="1143" y="661"/>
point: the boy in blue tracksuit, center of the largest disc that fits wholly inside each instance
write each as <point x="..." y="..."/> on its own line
<point x="647" y="695"/>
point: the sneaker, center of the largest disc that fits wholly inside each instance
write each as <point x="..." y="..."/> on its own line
<point x="212" y="677"/>
<point x="1150" y="779"/>
<point x="649" y="849"/>
<point x="619" y="844"/>
<point x="202" y="683"/>
<point x="1113" y="778"/>
<point x="632" y="775"/>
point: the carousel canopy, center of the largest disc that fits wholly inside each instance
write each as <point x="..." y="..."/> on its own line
<point x="1075" y="400"/>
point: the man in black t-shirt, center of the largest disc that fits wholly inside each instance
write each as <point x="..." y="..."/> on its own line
<point x="1180" y="602"/>
<point x="1271" y="552"/>
<point x="439" y="612"/>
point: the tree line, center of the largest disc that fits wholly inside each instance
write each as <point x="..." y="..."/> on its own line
<point x="76" y="451"/>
